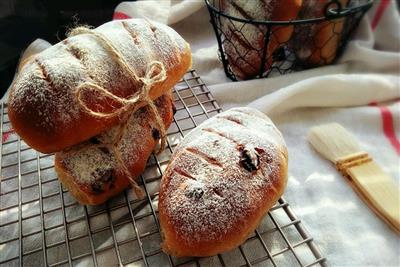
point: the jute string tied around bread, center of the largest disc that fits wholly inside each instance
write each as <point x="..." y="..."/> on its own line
<point x="155" y="73"/>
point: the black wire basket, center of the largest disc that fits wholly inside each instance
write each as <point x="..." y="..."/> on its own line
<point x="250" y="48"/>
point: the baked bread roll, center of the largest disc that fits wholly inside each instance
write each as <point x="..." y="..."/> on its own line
<point x="316" y="44"/>
<point x="222" y="179"/>
<point x="244" y="44"/>
<point x="90" y="170"/>
<point x="43" y="107"/>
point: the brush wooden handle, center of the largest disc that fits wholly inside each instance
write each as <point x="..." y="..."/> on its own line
<point x="378" y="190"/>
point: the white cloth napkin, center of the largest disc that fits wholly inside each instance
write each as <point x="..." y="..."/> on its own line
<point x="344" y="228"/>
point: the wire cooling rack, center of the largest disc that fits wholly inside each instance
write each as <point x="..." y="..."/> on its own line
<point x="42" y="225"/>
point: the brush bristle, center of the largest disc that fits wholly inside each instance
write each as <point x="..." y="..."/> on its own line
<point x="333" y="141"/>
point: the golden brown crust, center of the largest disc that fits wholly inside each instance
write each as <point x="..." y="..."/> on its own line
<point x="82" y="193"/>
<point x="98" y="191"/>
<point x="228" y="200"/>
<point x="43" y="108"/>
<point x="317" y="43"/>
<point x="244" y="43"/>
<point x="176" y="246"/>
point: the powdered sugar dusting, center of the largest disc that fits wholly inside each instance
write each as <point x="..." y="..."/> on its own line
<point x="215" y="199"/>
<point x="303" y="37"/>
<point x="244" y="42"/>
<point x="86" y="162"/>
<point x="255" y="10"/>
<point x="260" y="10"/>
<point x="50" y="101"/>
<point x="250" y="34"/>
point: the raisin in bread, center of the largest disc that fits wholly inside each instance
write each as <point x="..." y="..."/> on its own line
<point x="91" y="173"/>
<point x="222" y="179"/>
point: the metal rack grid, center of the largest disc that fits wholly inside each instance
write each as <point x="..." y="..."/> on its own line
<point x="42" y="225"/>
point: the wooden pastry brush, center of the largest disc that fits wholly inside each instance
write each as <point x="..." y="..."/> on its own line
<point x="376" y="188"/>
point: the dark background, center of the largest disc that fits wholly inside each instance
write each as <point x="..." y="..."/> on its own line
<point x="23" y="21"/>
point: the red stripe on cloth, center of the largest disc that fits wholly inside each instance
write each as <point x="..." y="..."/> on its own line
<point x="379" y="13"/>
<point x="7" y="134"/>
<point x="120" y="15"/>
<point x="388" y="126"/>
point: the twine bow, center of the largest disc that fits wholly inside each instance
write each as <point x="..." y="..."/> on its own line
<point x="155" y="73"/>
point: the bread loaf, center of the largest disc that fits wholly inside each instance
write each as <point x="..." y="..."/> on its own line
<point x="316" y="43"/>
<point x="43" y="107"/>
<point x="221" y="180"/>
<point x="90" y="171"/>
<point x="245" y="43"/>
